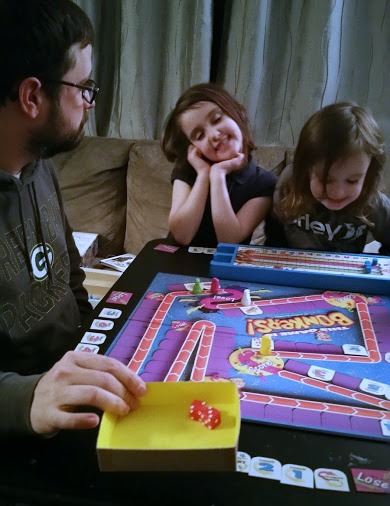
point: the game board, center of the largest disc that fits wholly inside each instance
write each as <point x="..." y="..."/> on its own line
<point x="313" y="269"/>
<point x="329" y="369"/>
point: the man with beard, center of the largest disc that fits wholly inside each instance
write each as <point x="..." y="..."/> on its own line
<point x="45" y="95"/>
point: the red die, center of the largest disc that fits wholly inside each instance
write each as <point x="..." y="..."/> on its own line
<point x="210" y="417"/>
<point x="213" y="418"/>
<point x="198" y="410"/>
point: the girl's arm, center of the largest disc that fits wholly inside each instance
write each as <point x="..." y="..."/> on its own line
<point x="188" y="204"/>
<point x="187" y="208"/>
<point x="231" y="227"/>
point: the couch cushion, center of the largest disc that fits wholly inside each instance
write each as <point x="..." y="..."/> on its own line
<point x="149" y="195"/>
<point x="270" y="157"/>
<point x="93" y="182"/>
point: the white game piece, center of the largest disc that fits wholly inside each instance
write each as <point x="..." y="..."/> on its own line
<point x="246" y="298"/>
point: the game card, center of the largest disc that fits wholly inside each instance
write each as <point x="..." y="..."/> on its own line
<point x="195" y="249"/>
<point x="243" y="462"/>
<point x="376" y="481"/>
<point x="108" y="312"/>
<point x="265" y="468"/>
<point x="102" y="324"/>
<point x="331" y="479"/>
<point x="93" y="338"/>
<point x="251" y="310"/>
<point x="299" y="476"/>
<point x="119" y="297"/>
<point x="209" y="251"/>
<point x="168" y="248"/>
<point x="89" y="348"/>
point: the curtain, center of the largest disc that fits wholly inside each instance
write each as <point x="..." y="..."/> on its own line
<point x="282" y="59"/>
<point x="146" y="54"/>
<point x="285" y="59"/>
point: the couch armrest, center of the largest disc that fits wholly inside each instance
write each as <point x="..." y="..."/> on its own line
<point x="93" y="182"/>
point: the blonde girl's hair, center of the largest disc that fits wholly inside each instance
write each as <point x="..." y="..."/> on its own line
<point x="175" y="144"/>
<point x="333" y="133"/>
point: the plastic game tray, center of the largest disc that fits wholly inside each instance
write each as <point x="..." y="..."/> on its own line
<point x="302" y="268"/>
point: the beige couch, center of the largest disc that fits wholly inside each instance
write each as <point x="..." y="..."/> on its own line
<point x="121" y="190"/>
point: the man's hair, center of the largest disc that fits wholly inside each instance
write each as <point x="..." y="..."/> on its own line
<point x="174" y="142"/>
<point x="334" y="132"/>
<point x="36" y="37"/>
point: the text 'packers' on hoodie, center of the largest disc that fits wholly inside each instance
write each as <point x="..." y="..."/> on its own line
<point x="42" y="298"/>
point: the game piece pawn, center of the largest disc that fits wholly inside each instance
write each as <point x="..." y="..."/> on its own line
<point x="246" y="298"/>
<point x="367" y="266"/>
<point x="214" y="287"/>
<point x="266" y="345"/>
<point x="197" y="289"/>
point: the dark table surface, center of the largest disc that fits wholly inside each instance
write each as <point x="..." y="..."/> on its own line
<point x="64" y="469"/>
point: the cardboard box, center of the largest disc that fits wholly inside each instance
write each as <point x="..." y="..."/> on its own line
<point x="161" y="436"/>
<point x="87" y="244"/>
<point x="98" y="282"/>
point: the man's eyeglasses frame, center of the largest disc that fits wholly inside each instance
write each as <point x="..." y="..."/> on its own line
<point x="91" y="88"/>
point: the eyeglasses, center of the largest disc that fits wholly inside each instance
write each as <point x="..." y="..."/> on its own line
<point x="89" y="90"/>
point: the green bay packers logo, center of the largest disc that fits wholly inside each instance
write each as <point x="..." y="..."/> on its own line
<point x="38" y="260"/>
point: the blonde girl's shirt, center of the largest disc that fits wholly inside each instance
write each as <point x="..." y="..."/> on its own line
<point x="325" y="230"/>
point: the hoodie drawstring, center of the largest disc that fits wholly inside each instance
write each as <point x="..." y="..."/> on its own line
<point x="27" y="256"/>
<point x="40" y="232"/>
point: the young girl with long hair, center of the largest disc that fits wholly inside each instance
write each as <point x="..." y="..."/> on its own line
<point x="219" y="194"/>
<point x="330" y="198"/>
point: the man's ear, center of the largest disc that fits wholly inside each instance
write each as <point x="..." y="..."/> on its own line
<point x="30" y="96"/>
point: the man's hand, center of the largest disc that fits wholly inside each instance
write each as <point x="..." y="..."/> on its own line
<point x="81" y="380"/>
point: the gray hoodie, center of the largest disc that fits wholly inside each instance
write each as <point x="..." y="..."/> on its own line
<point x="42" y="299"/>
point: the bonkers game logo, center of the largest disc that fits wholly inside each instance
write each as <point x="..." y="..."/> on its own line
<point x="297" y="323"/>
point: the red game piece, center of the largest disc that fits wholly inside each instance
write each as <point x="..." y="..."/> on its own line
<point x="215" y="287"/>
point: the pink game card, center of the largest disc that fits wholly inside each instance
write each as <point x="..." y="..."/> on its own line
<point x="376" y="481"/>
<point x="119" y="297"/>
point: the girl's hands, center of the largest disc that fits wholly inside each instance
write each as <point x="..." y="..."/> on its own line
<point x="198" y="162"/>
<point x="227" y="166"/>
<point x="195" y="158"/>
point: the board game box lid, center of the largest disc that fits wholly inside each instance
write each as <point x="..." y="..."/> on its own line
<point x="160" y="435"/>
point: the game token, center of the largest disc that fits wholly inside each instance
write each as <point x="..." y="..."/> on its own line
<point x="246" y="298"/>
<point x="197" y="289"/>
<point x="266" y="345"/>
<point x="367" y="266"/>
<point x="215" y="288"/>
